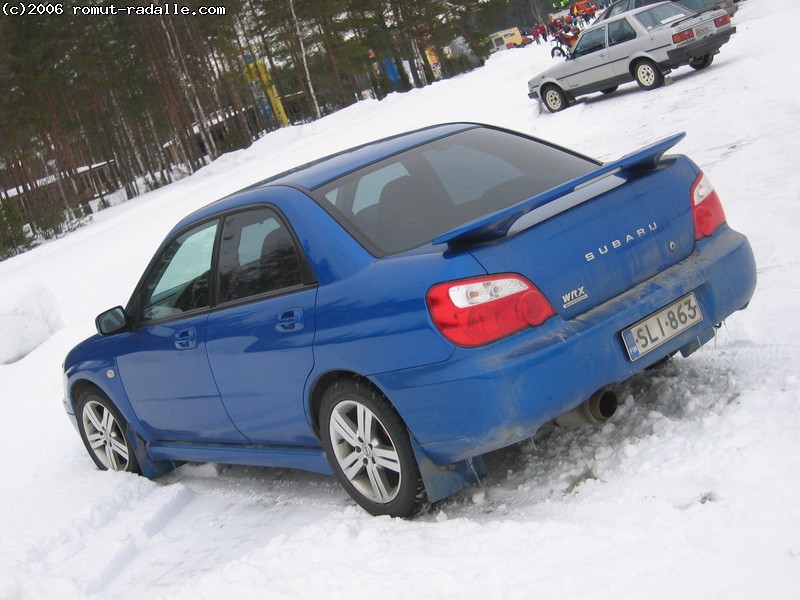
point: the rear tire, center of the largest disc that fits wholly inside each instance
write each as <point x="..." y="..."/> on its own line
<point x="702" y="62"/>
<point x="369" y="449"/>
<point x="647" y="74"/>
<point x="554" y="99"/>
<point x="104" y="433"/>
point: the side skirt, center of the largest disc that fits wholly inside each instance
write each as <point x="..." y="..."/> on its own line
<point x="305" y="459"/>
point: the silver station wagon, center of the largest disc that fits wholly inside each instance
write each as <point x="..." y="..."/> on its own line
<point x="642" y="45"/>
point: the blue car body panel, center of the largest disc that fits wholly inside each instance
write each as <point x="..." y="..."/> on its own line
<point x="488" y="398"/>
<point x="236" y="383"/>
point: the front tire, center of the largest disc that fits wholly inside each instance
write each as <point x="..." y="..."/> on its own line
<point x="369" y="449"/>
<point x="554" y="99"/>
<point x="103" y="431"/>
<point x="647" y="74"/>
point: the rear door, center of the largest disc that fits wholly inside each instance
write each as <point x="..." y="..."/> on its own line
<point x="259" y="337"/>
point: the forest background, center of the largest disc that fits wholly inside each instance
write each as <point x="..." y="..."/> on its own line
<point x="102" y="107"/>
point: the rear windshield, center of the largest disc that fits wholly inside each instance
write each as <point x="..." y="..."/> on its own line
<point x="406" y="201"/>
<point x="663" y="14"/>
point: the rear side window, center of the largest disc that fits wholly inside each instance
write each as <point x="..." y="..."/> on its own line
<point x="409" y="199"/>
<point x="619" y="32"/>
<point x="257" y="255"/>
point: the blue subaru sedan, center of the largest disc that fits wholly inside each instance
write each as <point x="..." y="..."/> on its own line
<point x="391" y="313"/>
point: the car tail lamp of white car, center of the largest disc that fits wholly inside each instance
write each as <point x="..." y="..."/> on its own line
<point x="478" y="311"/>
<point x="706" y="208"/>
<point x="721" y="21"/>
<point x="682" y="36"/>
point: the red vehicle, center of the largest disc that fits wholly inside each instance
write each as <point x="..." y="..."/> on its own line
<point x="583" y="7"/>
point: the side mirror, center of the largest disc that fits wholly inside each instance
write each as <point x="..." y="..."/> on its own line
<point x="111" y="321"/>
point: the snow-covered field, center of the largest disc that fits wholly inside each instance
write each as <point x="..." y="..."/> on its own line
<point x="692" y="491"/>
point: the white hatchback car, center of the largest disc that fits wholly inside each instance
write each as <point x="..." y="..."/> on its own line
<point x="642" y="45"/>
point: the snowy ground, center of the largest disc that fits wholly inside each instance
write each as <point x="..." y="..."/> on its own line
<point x="691" y="492"/>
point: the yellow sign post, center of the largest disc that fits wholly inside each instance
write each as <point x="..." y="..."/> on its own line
<point x="259" y="81"/>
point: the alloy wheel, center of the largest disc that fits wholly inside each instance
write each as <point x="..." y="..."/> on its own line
<point x="365" y="451"/>
<point x="105" y="437"/>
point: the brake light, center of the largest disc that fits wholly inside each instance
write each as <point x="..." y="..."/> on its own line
<point x="723" y="20"/>
<point x="682" y="36"/>
<point x="481" y="310"/>
<point x="706" y="208"/>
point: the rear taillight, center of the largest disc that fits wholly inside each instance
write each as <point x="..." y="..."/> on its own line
<point x="481" y="310"/>
<point x="682" y="36"/>
<point x="706" y="208"/>
<point x="720" y="21"/>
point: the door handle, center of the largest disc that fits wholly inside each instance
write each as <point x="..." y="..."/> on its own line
<point x="290" y="320"/>
<point x="186" y="339"/>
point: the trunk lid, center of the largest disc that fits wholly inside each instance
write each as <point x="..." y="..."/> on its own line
<point x="592" y="244"/>
<point x="701" y="25"/>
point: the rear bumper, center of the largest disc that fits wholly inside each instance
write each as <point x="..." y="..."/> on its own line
<point x="488" y="398"/>
<point x="709" y="45"/>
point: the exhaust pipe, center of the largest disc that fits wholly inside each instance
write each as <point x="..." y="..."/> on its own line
<point x="598" y="409"/>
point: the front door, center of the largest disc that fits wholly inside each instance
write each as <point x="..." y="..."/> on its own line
<point x="163" y="363"/>
<point x="589" y="68"/>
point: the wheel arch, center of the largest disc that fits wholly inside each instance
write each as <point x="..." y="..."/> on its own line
<point x="634" y="60"/>
<point x="552" y="81"/>
<point x="79" y="387"/>
<point x="439" y="481"/>
<point x="324" y="382"/>
<point x="111" y="388"/>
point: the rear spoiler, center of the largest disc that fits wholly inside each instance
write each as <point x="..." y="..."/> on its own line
<point x="497" y="225"/>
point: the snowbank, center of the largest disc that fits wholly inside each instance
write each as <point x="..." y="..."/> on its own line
<point x="29" y="315"/>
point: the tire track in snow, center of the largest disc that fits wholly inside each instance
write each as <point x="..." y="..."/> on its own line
<point x="119" y="525"/>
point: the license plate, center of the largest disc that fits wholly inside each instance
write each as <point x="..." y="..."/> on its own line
<point x="702" y="30"/>
<point x="660" y="327"/>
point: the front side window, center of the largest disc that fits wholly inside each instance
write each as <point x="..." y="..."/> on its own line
<point x="590" y="42"/>
<point x="180" y="279"/>
<point x="257" y="255"/>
